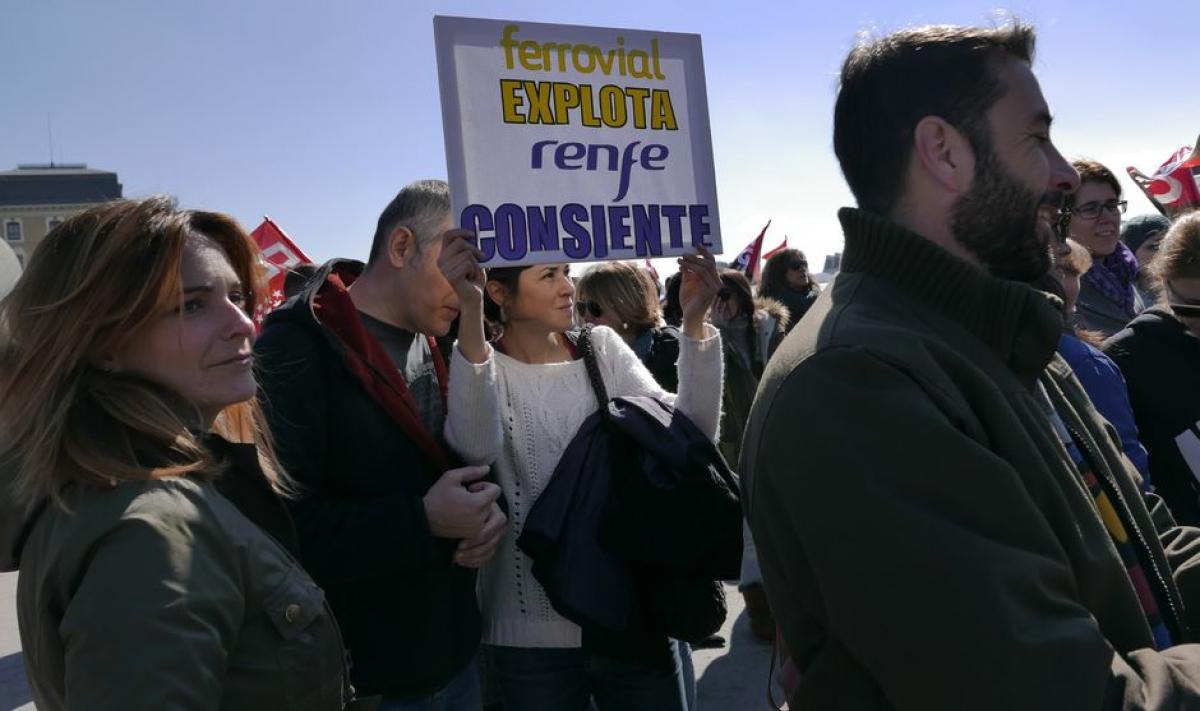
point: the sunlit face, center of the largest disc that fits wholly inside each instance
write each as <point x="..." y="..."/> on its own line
<point x="1099" y="235"/>
<point x="1149" y="249"/>
<point x="1185" y="292"/>
<point x="544" y="300"/>
<point x="426" y="298"/>
<point x="1005" y="218"/>
<point x="202" y="349"/>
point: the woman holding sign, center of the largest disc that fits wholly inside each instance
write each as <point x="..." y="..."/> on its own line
<point x="522" y="421"/>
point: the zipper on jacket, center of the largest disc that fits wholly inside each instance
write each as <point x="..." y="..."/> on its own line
<point x="1114" y="490"/>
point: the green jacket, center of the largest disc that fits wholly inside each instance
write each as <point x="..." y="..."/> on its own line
<point x="162" y="595"/>
<point x="926" y="541"/>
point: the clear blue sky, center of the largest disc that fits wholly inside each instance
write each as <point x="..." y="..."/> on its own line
<point x="317" y="112"/>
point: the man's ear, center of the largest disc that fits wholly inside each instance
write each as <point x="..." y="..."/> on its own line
<point x="943" y="154"/>
<point x="401" y="246"/>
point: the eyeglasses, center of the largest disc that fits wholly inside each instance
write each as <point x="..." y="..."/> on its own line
<point x="1182" y="310"/>
<point x="724" y="293"/>
<point x="588" y="307"/>
<point x="1092" y="210"/>
<point x="801" y="264"/>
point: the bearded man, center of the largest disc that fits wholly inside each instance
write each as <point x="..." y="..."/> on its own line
<point x="943" y="520"/>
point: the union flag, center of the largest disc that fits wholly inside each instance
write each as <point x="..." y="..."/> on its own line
<point x="1175" y="187"/>
<point x="278" y="254"/>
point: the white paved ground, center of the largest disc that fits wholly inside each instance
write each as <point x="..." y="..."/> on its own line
<point x="733" y="678"/>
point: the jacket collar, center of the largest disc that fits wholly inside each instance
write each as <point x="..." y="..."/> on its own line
<point x="327" y="302"/>
<point x="1018" y="322"/>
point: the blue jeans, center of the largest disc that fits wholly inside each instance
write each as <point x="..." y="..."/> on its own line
<point x="543" y="679"/>
<point x="463" y="693"/>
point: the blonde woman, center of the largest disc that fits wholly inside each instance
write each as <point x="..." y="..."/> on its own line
<point x="624" y="298"/>
<point x="157" y="565"/>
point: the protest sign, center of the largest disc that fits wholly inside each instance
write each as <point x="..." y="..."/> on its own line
<point x="568" y="143"/>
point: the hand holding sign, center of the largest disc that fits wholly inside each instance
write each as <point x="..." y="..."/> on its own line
<point x="459" y="263"/>
<point x="697" y="290"/>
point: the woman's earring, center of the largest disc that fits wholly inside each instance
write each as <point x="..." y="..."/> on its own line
<point x="503" y="315"/>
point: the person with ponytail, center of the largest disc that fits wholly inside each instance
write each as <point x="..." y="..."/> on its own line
<point x="519" y="416"/>
<point x="141" y="493"/>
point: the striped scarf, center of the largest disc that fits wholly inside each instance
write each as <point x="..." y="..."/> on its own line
<point x="1117" y="529"/>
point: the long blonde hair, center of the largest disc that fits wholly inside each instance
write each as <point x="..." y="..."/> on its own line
<point x="93" y="283"/>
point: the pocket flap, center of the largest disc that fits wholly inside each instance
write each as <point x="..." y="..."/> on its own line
<point x="295" y="604"/>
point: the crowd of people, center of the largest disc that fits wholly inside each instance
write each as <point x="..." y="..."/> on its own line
<point x="965" y="475"/>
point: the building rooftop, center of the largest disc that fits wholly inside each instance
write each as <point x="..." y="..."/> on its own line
<point x="51" y="184"/>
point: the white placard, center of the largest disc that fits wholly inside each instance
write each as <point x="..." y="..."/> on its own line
<point x="568" y="143"/>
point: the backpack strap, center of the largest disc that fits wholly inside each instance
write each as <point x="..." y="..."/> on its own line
<point x="593" y="366"/>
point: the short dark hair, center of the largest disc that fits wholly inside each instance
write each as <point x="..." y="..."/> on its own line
<point x="889" y="84"/>
<point x="1092" y="171"/>
<point x="419" y="206"/>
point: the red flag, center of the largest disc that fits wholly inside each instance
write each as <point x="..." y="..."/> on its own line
<point x="777" y="250"/>
<point x="1175" y="186"/>
<point x="747" y="261"/>
<point x="278" y="254"/>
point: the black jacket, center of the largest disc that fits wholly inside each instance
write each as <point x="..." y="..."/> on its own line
<point x="1161" y="363"/>
<point x="347" y="432"/>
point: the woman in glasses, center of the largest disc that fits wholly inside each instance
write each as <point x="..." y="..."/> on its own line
<point x="750" y="331"/>
<point x="786" y="279"/>
<point x="623" y="297"/>
<point x="517" y="405"/>
<point x="1159" y="352"/>
<point x="1108" y="297"/>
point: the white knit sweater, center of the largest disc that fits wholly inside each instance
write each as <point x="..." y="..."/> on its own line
<point x="521" y="417"/>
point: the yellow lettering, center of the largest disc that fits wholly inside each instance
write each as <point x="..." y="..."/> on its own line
<point x="662" y="114"/>
<point x="530" y="52"/>
<point x="637" y="101"/>
<point x="510" y="99"/>
<point x="540" y="104"/>
<point x="612" y="106"/>
<point x="587" y="113"/>
<point x="566" y="97"/>
<point x="644" y="71"/>
<point x="586" y="49"/>
<point x="507" y="42"/>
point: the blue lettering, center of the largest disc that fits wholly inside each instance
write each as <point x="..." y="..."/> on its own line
<point x="698" y="217"/>
<point x="647" y="231"/>
<point x="618" y="216"/>
<point x="598" y="231"/>
<point x="561" y="157"/>
<point x="478" y="219"/>
<point x="543" y="228"/>
<point x="674" y="215"/>
<point x="535" y="157"/>
<point x="659" y="155"/>
<point x="579" y="244"/>
<point x="511" y="238"/>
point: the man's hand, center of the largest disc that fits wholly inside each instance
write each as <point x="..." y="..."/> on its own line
<point x="458" y="504"/>
<point x="459" y="262"/>
<point x="475" y="552"/>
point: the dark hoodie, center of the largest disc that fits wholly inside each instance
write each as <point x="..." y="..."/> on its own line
<point x="1161" y="362"/>
<point x="347" y="430"/>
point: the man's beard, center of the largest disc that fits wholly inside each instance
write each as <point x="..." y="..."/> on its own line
<point x="997" y="221"/>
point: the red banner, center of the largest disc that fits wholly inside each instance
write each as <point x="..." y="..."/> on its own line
<point x="777" y="250"/>
<point x="278" y="254"/>
<point x="1175" y="187"/>
<point x="747" y="261"/>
